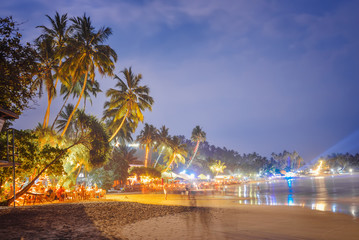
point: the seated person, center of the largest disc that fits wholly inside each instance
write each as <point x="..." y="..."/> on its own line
<point x="60" y="193"/>
<point x="49" y="194"/>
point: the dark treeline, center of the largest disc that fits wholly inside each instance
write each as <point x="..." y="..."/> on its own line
<point x="236" y="163"/>
<point x="251" y="164"/>
<point x="339" y="162"/>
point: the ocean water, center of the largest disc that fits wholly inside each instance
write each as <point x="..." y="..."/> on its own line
<point x="336" y="193"/>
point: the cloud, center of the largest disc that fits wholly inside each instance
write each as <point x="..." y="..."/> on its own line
<point x="255" y="74"/>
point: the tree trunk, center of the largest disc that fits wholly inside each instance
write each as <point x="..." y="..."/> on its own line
<point x="57" y="78"/>
<point x="28" y="186"/>
<point x="63" y="105"/>
<point x="47" y="114"/>
<point x="195" y="152"/>
<point x="77" y="104"/>
<point x="118" y="129"/>
<point x="173" y="158"/>
<point x="146" y="156"/>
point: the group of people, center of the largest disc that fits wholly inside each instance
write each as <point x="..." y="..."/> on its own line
<point x="52" y="193"/>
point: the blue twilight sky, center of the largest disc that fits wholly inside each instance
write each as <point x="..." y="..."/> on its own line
<point x="262" y="76"/>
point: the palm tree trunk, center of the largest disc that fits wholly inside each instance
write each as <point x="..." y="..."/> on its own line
<point x="77" y="104"/>
<point x="62" y="107"/>
<point x="44" y="124"/>
<point x="49" y="101"/>
<point x="118" y="129"/>
<point x="168" y="166"/>
<point x="57" y="78"/>
<point x="47" y="114"/>
<point x="146" y="156"/>
<point x="195" y="152"/>
<point x="28" y="186"/>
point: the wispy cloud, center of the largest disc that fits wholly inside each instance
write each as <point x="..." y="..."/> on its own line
<point x="251" y="72"/>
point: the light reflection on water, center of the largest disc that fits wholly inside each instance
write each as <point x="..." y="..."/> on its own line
<point x="330" y="193"/>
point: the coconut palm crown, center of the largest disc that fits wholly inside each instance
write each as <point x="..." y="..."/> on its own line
<point x="57" y="35"/>
<point x="86" y="53"/>
<point x="147" y="138"/>
<point x="128" y="101"/>
<point x="162" y="141"/>
<point x="198" y="135"/>
<point x="176" y="152"/>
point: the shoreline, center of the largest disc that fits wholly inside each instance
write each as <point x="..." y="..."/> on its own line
<point x="150" y="216"/>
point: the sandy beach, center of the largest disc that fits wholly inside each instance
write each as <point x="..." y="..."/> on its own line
<point x="150" y="216"/>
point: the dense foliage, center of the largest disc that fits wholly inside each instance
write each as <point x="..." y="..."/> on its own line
<point x="17" y="68"/>
<point x="116" y="168"/>
<point x="32" y="155"/>
<point x="245" y="164"/>
<point x="339" y="162"/>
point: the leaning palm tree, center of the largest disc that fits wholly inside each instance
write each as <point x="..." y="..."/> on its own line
<point x="162" y="141"/>
<point x="128" y="101"/>
<point x="86" y="53"/>
<point x="147" y="138"/>
<point x="58" y="34"/>
<point x="45" y="54"/>
<point x="198" y="135"/>
<point x="124" y="136"/>
<point x="176" y="152"/>
<point x="92" y="136"/>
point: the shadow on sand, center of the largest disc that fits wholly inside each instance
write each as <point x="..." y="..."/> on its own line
<point x="56" y="221"/>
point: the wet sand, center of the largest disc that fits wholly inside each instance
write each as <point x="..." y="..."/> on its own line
<point x="137" y="216"/>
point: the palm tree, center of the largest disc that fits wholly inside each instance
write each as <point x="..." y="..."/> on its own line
<point x="122" y="156"/>
<point x="162" y="141"/>
<point x="197" y="136"/>
<point x="129" y="101"/>
<point x="147" y="138"/>
<point x="217" y="167"/>
<point x="176" y="152"/>
<point x="58" y="34"/>
<point x="45" y="53"/>
<point x="86" y="53"/>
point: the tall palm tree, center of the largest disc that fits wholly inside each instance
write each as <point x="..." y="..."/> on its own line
<point x="45" y="53"/>
<point x="198" y="135"/>
<point x="128" y="101"/>
<point x="147" y="138"/>
<point x="122" y="156"/>
<point x="162" y="141"/>
<point x="86" y="53"/>
<point x="58" y="34"/>
<point x="176" y="152"/>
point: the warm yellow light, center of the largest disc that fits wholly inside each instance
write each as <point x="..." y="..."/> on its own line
<point x="316" y="172"/>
